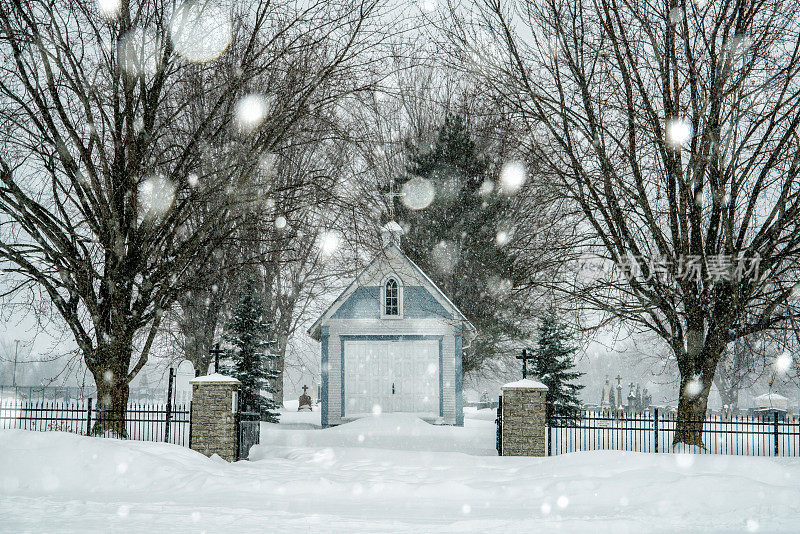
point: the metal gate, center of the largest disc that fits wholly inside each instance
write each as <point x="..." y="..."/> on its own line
<point x="499" y="423"/>
<point x="247" y="434"/>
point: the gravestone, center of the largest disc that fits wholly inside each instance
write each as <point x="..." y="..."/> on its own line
<point x="631" y="406"/>
<point x="606" y="399"/>
<point x="304" y="403"/>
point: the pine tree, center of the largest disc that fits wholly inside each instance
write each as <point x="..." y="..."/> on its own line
<point x="454" y="239"/>
<point x="554" y="365"/>
<point x="251" y="362"/>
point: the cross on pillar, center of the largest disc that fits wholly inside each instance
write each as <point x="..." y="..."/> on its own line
<point x="525" y="357"/>
<point x="216" y="351"/>
<point x="391" y="195"/>
<point x="304" y="389"/>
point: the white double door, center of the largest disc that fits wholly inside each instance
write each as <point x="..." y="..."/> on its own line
<point x="391" y="376"/>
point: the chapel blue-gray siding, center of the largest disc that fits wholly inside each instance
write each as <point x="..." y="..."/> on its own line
<point x="364" y="303"/>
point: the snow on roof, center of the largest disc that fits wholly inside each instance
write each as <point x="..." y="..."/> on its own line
<point x="525" y="383"/>
<point x="772" y="396"/>
<point x="215" y="377"/>
<point x="393" y="226"/>
<point x="771" y="401"/>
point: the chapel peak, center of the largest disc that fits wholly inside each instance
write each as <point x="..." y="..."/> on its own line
<point x="391" y="232"/>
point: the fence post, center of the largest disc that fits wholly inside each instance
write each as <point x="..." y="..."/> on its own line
<point x="89" y="417"/>
<point x="548" y="429"/>
<point x="499" y="423"/>
<point x="169" y="404"/>
<point x="775" y="430"/>
<point x="655" y="427"/>
<point x="190" y="424"/>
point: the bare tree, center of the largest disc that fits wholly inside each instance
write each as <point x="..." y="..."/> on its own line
<point x="672" y="127"/>
<point x="104" y="162"/>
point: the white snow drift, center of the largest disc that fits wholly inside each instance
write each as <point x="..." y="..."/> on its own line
<point x="374" y="476"/>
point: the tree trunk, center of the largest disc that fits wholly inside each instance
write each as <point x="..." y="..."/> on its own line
<point x="691" y="412"/>
<point x="111" y="378"/>
<point x="280" y="365"/>
<point x="112" y="404"/>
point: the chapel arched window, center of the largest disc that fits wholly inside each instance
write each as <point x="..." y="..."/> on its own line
<point x="392" y="300"/>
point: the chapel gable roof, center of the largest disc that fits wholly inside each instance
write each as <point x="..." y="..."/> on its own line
<point x="391" y="260"/>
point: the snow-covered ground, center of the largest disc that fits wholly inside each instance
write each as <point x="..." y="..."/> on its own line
<point x="386" y="474"/>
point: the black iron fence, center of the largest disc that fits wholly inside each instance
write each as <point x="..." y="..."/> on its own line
<point x="248" y="433"/>
<point x="144" y="422"/>
<point x="654" y="431"/>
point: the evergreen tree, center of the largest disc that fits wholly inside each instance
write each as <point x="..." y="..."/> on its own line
<point x="251" y="362"/>
<point x="454" y="239"/>
<point x="554" y="365"/>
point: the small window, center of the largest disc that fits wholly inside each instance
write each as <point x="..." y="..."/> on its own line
<point x="392" y="301"/>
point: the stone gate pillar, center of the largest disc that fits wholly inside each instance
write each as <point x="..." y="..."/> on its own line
<point x="215" y="401"/>
<point x="524" y="431"/>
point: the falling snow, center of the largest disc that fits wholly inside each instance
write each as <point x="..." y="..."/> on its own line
<point x="140" y="52"/>
<point x="109" y="8"/>
<point x="201" y="30"/>
<point x="156" y="195"/>
<point x="512" y="177"/>
<point x="679" y="132"/>
<point x="251" y="110"/>
<point x="783" y="362"/>
<point x="418" y="193"/>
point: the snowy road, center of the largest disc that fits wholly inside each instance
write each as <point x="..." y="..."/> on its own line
<point x="339" y="481"/>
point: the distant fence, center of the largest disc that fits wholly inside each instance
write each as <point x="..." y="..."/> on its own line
<point x="73" y="393"/>
<point x="144" y="422"/>
<point x="654" y="432"/>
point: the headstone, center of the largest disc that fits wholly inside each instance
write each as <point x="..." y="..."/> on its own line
<point x="612" y="400"/>
<point x="631" y="406"/>
<point x="605" y="399"/>
<point x="304" y="403"/>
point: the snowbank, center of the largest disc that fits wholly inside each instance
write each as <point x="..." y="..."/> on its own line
<point x="58" y="482"/>
<point x="214" y="377"/>
<point x="525" y="383"/>
<point x="385" y="431"/>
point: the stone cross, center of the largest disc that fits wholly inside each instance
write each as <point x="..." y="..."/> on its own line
<point x="525" y="357"/>
<point x="216" y="351"/>
<point x="305" y="388"/>
<point x="391" y="196"/>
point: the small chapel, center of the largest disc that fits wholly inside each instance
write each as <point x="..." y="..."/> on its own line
<point x="392" y="342"/>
